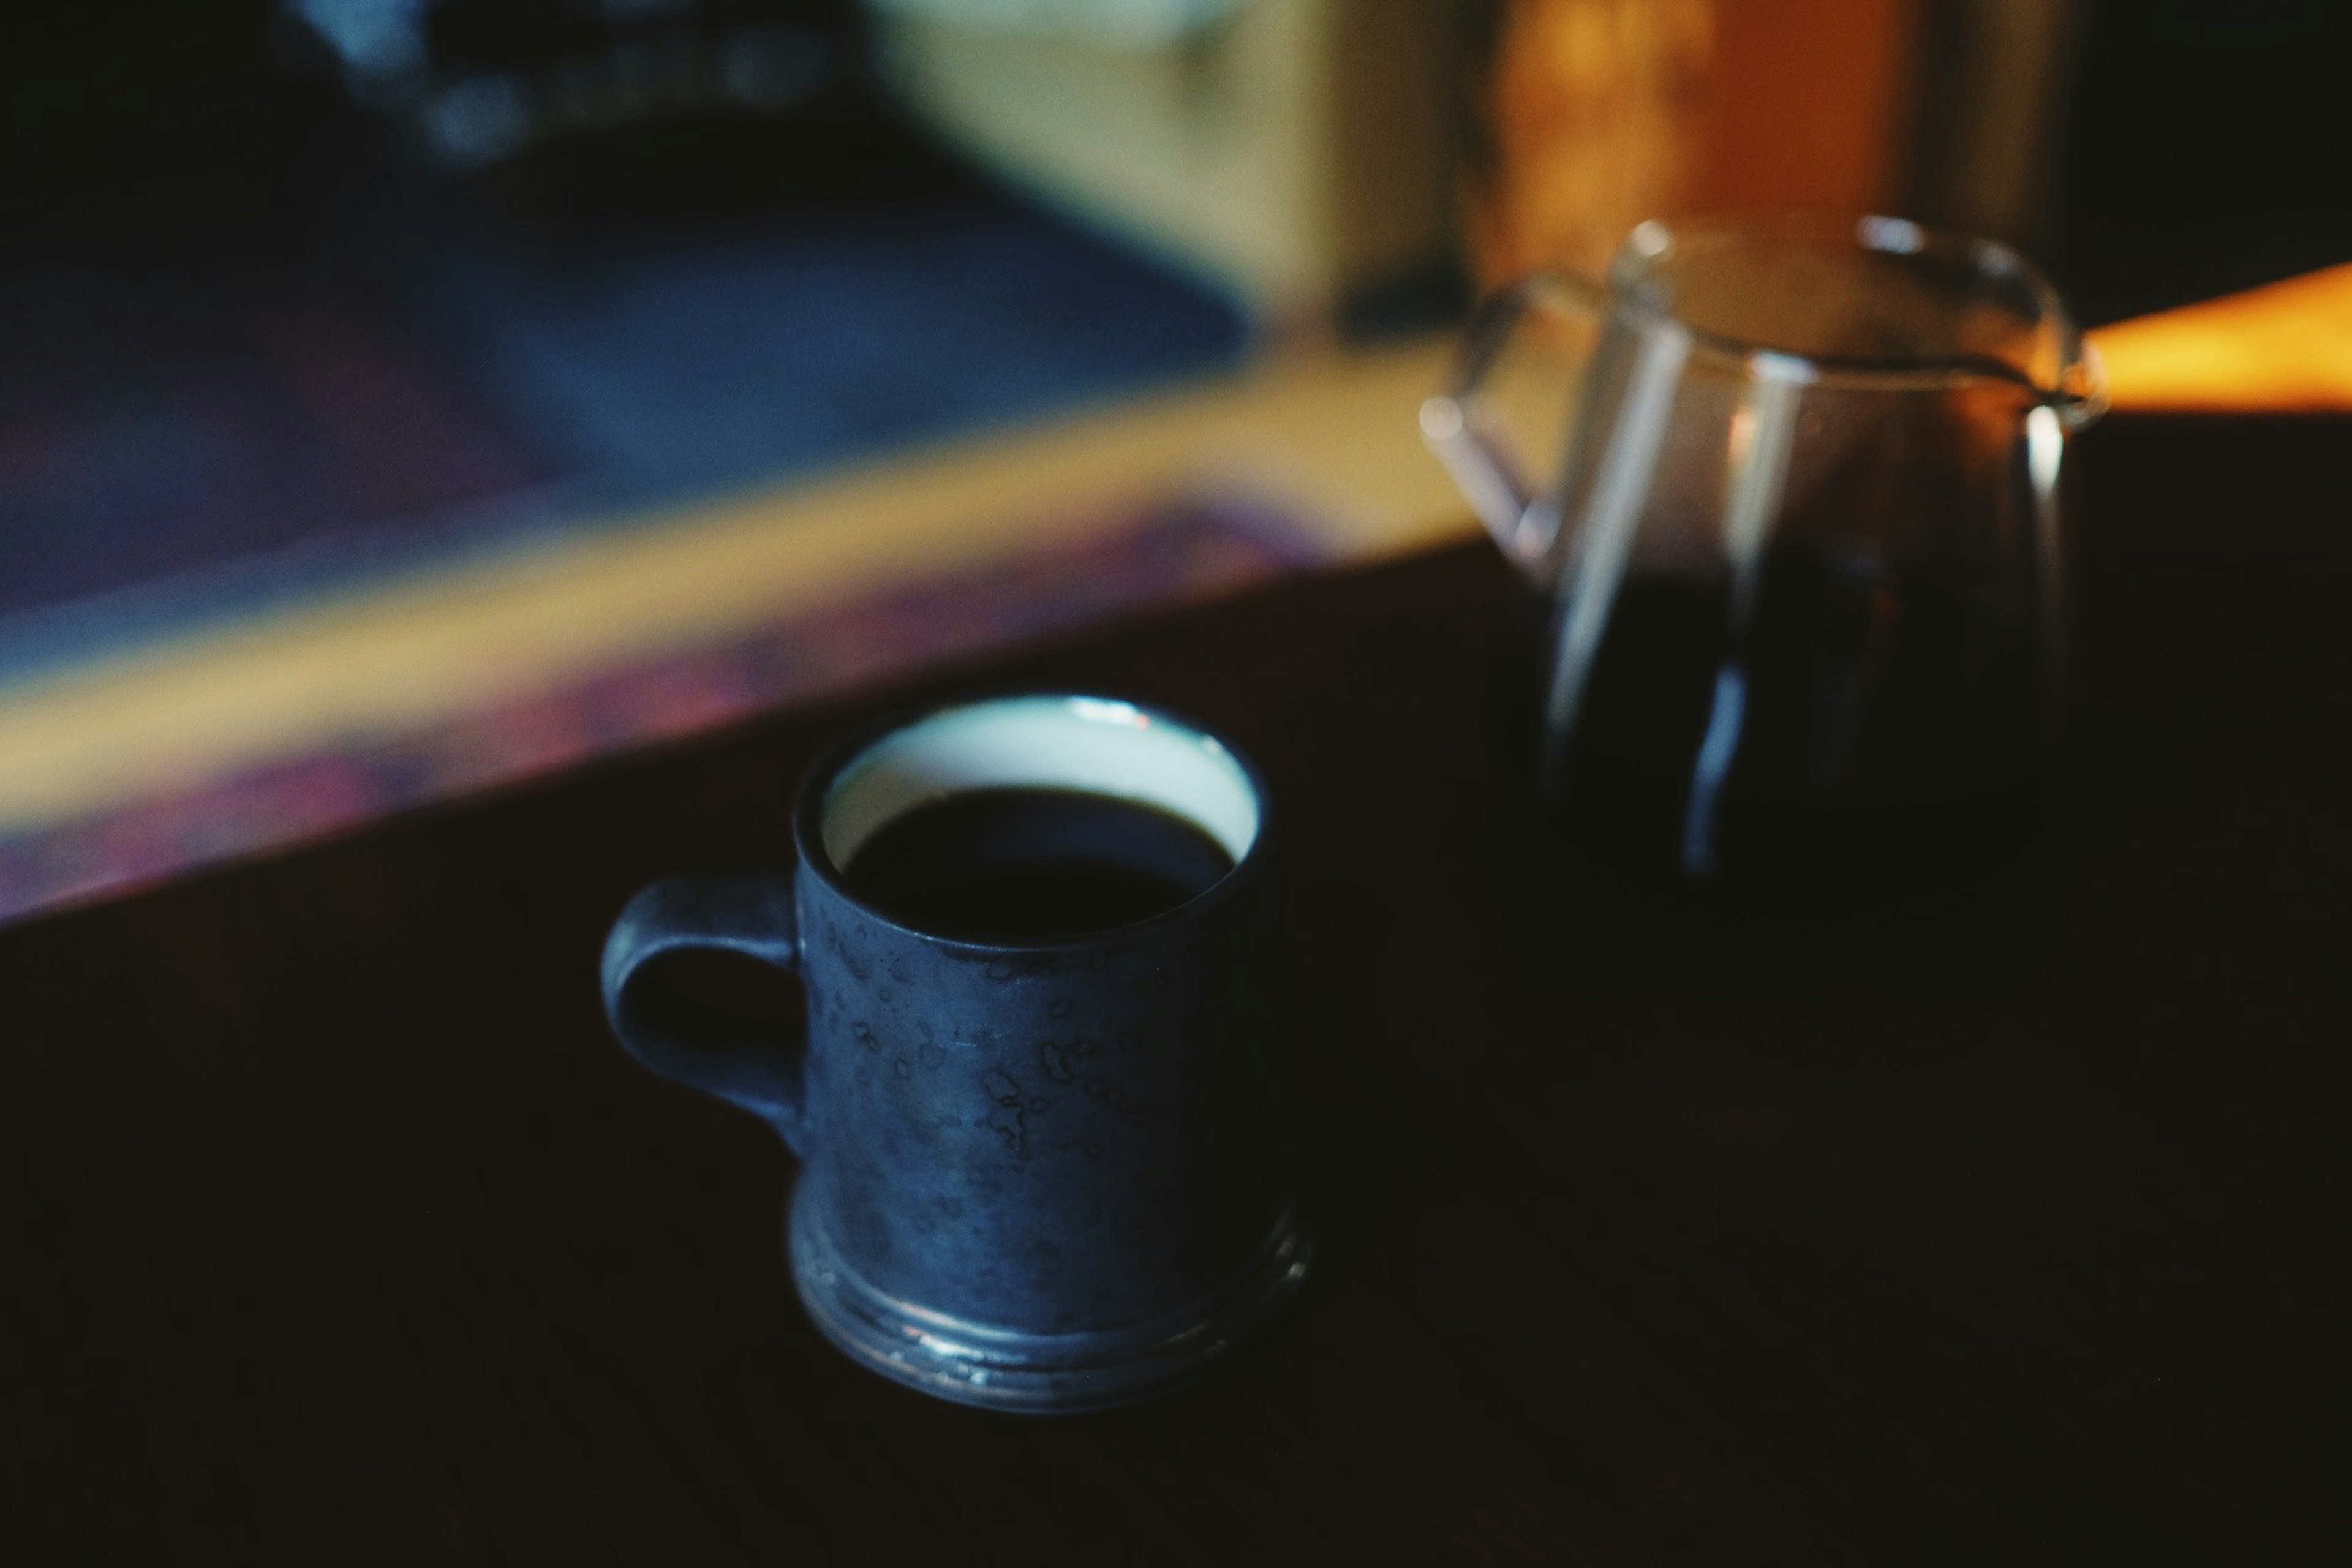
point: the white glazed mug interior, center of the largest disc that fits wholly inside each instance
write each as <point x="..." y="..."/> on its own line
<point x="1096" y="745"/>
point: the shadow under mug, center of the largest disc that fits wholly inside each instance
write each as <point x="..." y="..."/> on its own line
<point x="1048" y="1176"/>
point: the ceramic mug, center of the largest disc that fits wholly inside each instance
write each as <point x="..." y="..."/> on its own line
<point x="1046" y="1176"/>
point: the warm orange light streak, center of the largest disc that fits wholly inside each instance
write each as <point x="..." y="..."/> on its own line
<point x="2284" y="348"/>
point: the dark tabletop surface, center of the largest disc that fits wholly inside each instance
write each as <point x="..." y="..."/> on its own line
<point x="337" y="1227"/>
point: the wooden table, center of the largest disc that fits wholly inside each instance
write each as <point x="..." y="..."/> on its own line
<point x="336" y="1227"/>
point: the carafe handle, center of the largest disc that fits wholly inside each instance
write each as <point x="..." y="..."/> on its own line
<point x="1465" y="431"/>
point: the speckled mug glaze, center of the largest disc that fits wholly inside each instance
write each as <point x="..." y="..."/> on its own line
<point x="1044" y="1178"/>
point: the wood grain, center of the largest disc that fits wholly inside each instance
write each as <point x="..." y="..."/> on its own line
<point x="338" y="1230"/>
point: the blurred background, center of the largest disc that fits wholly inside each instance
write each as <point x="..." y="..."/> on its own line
<point x="400" y="397"/>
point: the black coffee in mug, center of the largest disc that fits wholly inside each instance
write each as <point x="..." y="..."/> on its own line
<point x="1027" y="864"/>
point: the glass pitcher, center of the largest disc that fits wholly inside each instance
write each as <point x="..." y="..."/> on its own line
<point x="1798" y="557"/>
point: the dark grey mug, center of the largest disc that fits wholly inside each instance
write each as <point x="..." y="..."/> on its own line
<point x="1034" y="1176"/>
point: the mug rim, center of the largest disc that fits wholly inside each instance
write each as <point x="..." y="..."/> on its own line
<point x="809" y="806"/>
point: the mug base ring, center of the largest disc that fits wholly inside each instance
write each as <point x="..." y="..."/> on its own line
<point x="1043" y="1373"/>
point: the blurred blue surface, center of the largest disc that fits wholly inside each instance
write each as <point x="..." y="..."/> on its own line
<point x="722" y="361"/>
<point x="189" y="436"/>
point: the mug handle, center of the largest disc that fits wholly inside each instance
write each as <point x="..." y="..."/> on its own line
<point x="745" y="912"/>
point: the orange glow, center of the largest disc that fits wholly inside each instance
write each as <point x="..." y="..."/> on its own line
<point x="1604" y="112"/>
<point x="2283" y="348"/>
